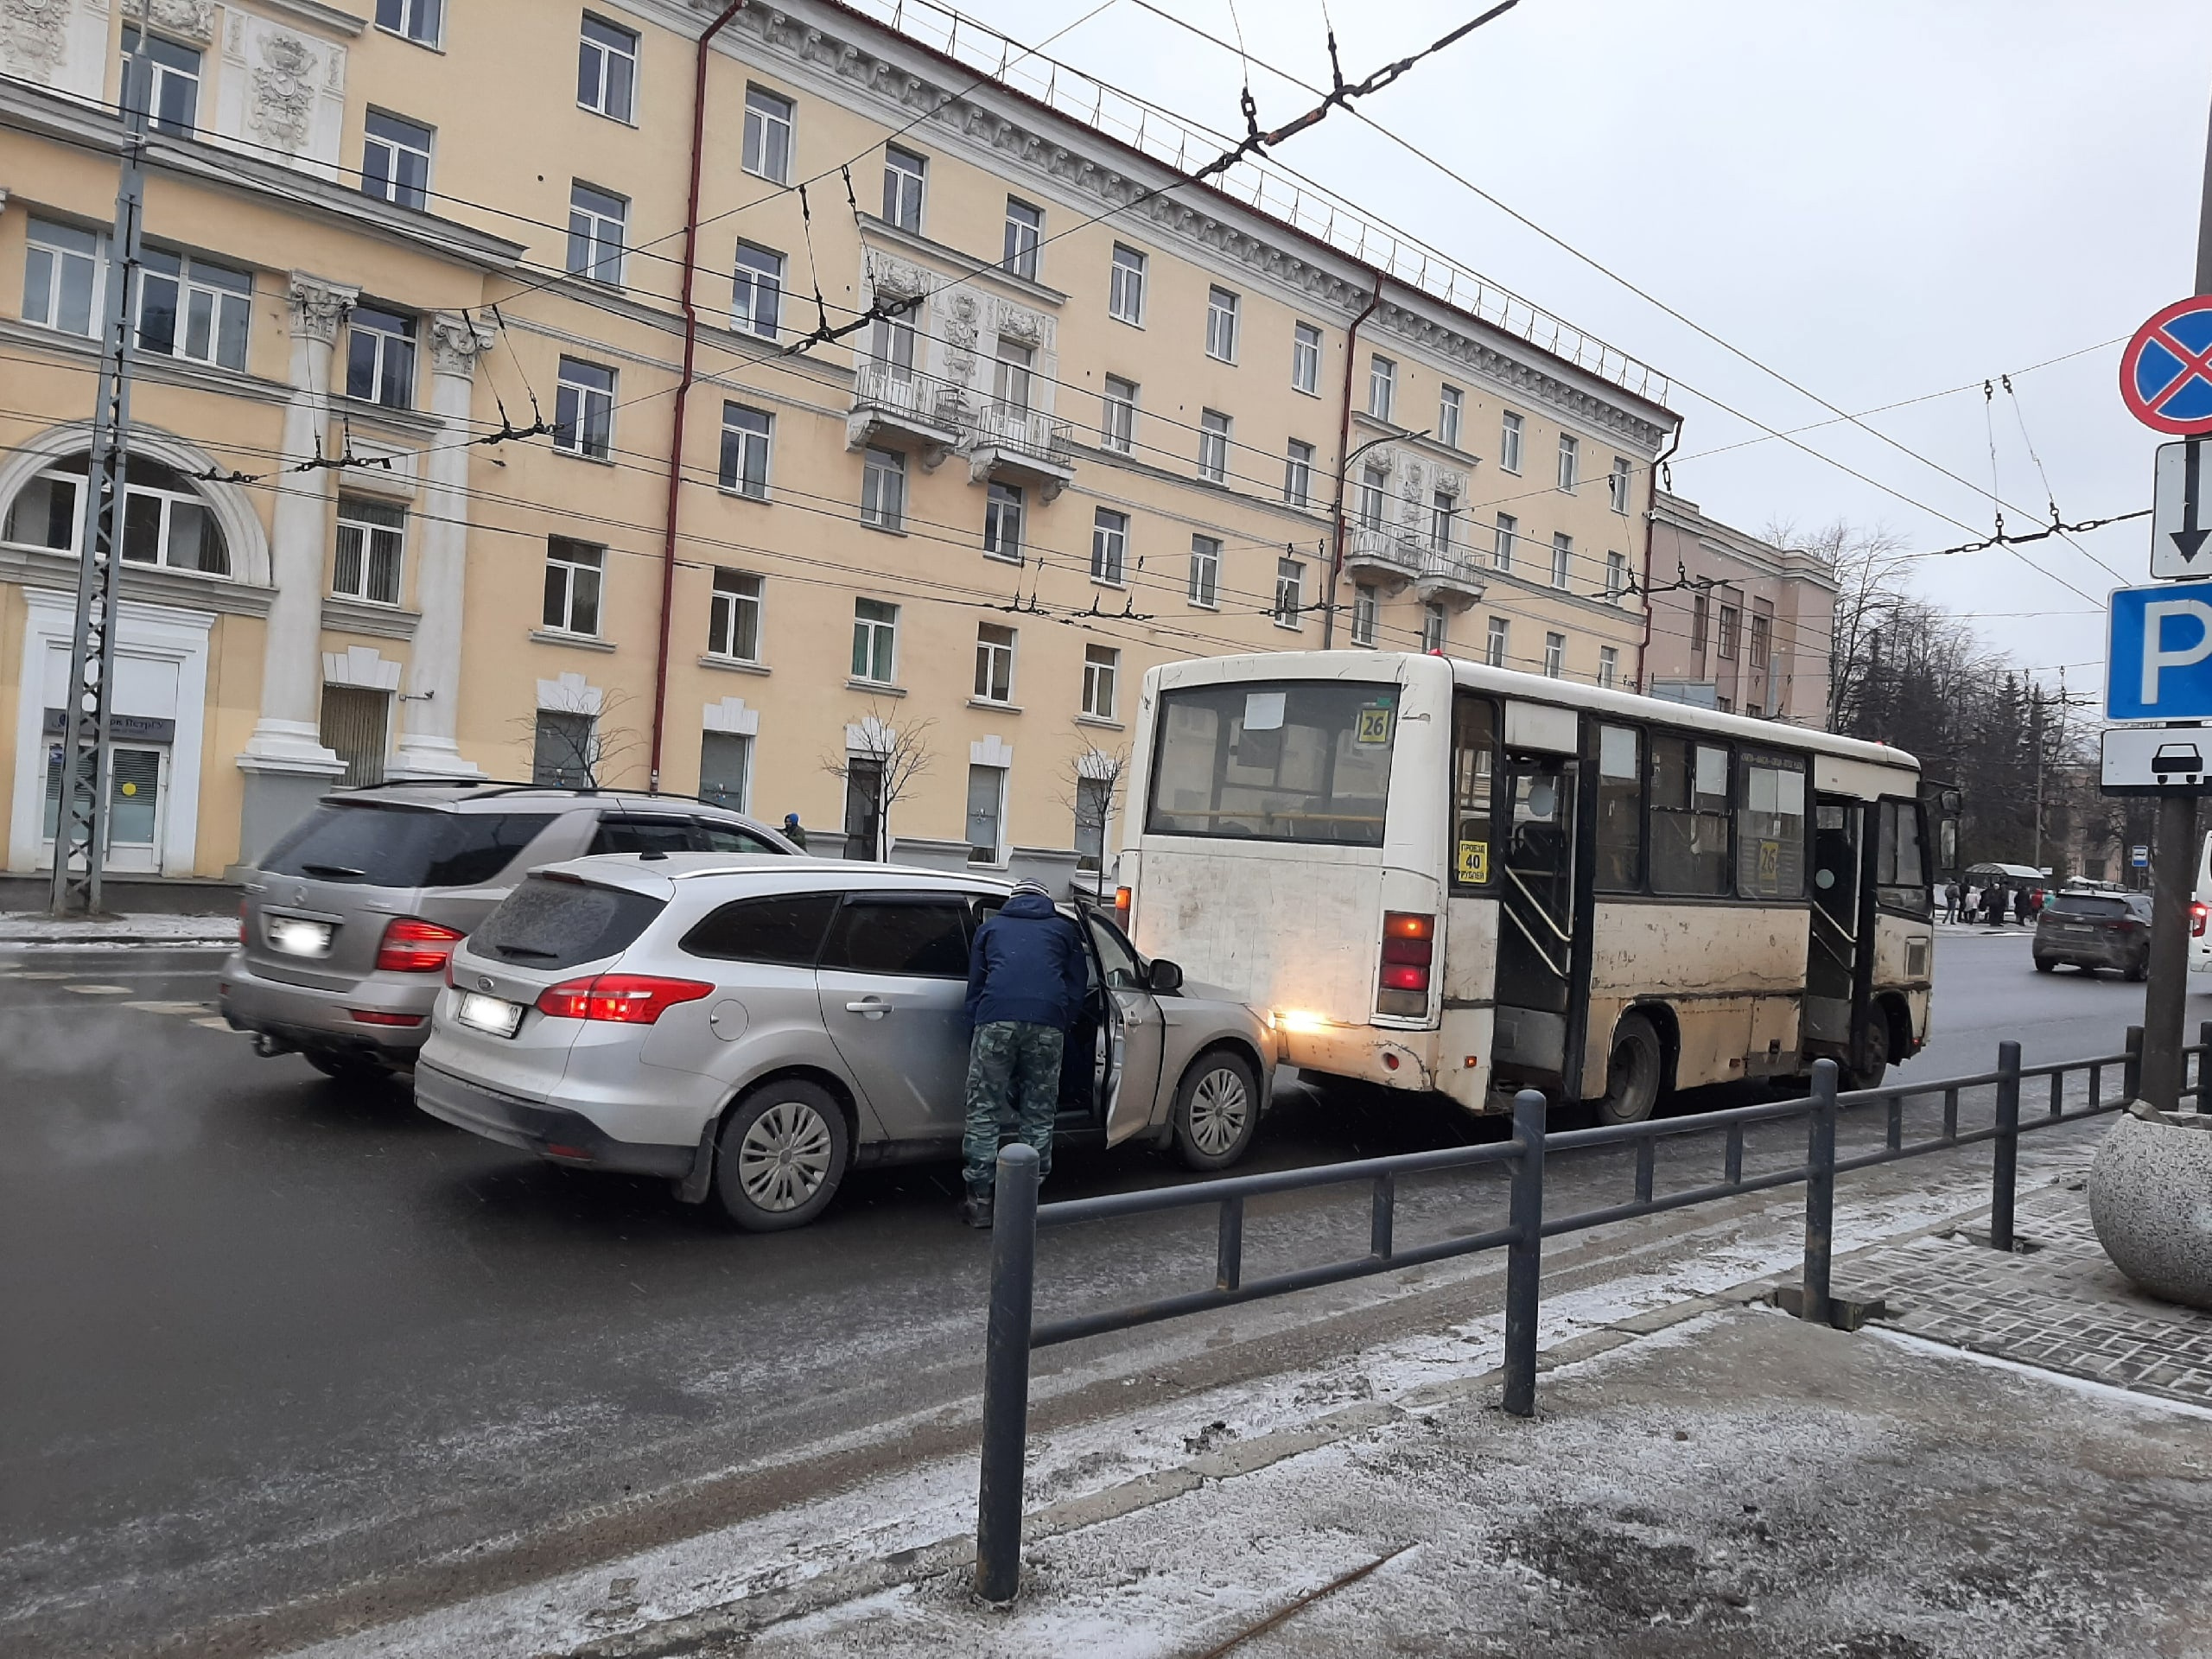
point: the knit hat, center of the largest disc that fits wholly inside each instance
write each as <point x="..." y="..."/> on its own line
<point x="1037" y="888"/>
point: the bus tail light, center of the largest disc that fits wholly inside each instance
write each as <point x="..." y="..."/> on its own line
<point x="1121" y="897"/>
<point x="2199" y="911"/>
<point x="1409" y="953"/>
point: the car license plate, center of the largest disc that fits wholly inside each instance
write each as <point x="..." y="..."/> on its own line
<point x="492" y="1014"/>
<point x="296" y="937"/>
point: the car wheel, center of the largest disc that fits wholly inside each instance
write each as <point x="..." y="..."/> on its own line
<point x="780" y="1156"/>
<point x="1216" y="1110"/>
<point x="1635" y="1072"/>
<point x="2139" y="967"/>
<point x="1872" y="1051"/>
<point x="2045" y="965"/>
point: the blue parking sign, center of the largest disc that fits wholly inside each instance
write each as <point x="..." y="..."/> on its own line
<point x="2158" y="660"/>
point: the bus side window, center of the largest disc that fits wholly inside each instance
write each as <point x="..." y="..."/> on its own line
<point x="1900" y="872"/>
<point x="1620" y="809"/>
<point x="1770" y="829"/>
<point x="1474" y="766"/>
<point x="1689" y="817"/>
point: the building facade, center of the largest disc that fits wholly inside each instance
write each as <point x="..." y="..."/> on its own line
<point x="1737" y="624"/>
<point x="455" y="456"/>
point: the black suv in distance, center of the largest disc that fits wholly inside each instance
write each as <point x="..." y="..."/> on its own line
<point x="2095" y="930"/>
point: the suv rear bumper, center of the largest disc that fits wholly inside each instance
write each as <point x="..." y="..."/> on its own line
<point x="551" y="1132"/>
<point x="305" y="1016"/>
<point x="2091" y="953"/>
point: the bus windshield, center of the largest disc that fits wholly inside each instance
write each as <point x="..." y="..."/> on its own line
<point x="1305" y="761"/>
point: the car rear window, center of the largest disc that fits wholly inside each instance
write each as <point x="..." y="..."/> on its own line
<point x="385" y="845"/>
<point x="784" y="929"/>
<point x="916" y="937"/>
<point x="556" y="921"/>
<point x="2086" y="904"/>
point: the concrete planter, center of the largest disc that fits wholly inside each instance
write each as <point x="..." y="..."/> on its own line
<point x="2151" y="1202"/>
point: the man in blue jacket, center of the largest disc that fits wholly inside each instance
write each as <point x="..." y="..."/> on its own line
<point x="1027" y="978"/>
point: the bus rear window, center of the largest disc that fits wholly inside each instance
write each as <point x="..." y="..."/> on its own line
<point x="1291" y="760"/>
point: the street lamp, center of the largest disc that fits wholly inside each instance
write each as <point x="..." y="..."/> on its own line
<point x="1336" y="551"/>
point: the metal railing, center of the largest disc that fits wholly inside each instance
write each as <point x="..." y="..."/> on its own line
<point x="1017" y="431"/>
<point x="919" y="399"/>
<point x="1380" y="547"/>
<point x="1014" y="1334"/>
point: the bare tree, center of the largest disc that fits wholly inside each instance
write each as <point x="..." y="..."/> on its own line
<point x="1091" y="785"/>
<point x="578" y="740"/>
<point x="886" y="759"/>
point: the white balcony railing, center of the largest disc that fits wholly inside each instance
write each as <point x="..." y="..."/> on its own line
<point x="903" y="396"/>
<point x="1023" y="434"/>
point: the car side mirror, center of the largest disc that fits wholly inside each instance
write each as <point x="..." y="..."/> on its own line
<point x="1163" y="977"/>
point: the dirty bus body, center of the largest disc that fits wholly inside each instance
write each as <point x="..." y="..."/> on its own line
<point x="1440" y="875"/>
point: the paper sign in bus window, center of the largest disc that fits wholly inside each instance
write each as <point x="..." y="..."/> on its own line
<point x="1474" y="862"/>
<point x="1374" y="727"/>
<point x="1263" y="710"/>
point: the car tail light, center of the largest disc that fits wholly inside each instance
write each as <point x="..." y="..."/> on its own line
<point x="2199" y="911"/>
<point x="413" y="946"/>
<point x="380" y="1017"/>
<point x="1408" y="952"/>
<point x="625" y="999"/>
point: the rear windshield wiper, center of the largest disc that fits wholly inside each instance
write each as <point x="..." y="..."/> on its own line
<point x="523" y="951"/>
<point x="334" y="870"/>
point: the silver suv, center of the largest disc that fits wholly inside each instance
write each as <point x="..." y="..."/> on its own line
<point x="345" y="926"/>
<point x="753" y="1029"/>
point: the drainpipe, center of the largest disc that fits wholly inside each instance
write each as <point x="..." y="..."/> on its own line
<point x="1344" y="438"/>
<point x="1650" y="524"/>
<point x="683" y="382"/>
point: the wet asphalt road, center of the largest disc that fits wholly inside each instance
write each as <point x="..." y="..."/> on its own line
<point x="265" y="1335"/>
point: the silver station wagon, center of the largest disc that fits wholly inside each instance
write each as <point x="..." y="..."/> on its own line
<point x="751" y="1028"/>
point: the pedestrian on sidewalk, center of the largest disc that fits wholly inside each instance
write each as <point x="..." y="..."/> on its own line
<point x="793" y="832"/>
<point x="1952" y="899"/>
<point x="1026" y="980"/>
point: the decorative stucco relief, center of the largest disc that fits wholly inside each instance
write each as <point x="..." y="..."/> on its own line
<point x="62" y="44"/>
<point x="191" y="20"/>
<point x="281" y="94"/>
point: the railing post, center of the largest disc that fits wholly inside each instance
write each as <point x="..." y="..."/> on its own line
<point x="1006" y="1375"/>
<point x="2204" y="1066"/>
<point x="1524" y="1256"/>
<point x="2131" y="1074"/>
<point x="2005" y="1163"/>
<point x="1820" y="1194"/>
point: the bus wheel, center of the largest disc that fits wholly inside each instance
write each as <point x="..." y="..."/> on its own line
<point x="1872" y="1053"/>
<point x="1633" y="1073"/>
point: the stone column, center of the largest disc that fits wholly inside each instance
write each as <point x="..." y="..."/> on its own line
<point x="431" y="710"/>
<point x="287" y="767"/>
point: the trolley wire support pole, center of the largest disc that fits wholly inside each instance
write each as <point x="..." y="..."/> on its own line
<point x="1524" y="1255"/>
<point x="1006" y="1375"/>
<point x="80" y="823"/>
<point x="2005" y="1161"/>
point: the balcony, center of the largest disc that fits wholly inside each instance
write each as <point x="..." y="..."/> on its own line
<point x="898" y="409"/>
<point x="1382" y="557"/>
<point x="1018" y="445"/>
<point x="1447" y="578"/>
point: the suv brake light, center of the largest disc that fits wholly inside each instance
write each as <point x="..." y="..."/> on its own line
<point x="2198" y="911"/>
<point x="411" y="945"/>
<point x="625" y="999"/>
<point x="1408" y="952"/>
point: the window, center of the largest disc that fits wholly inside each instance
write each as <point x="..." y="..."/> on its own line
<point x="574" y="571"/>
<point x="416" y="20"/>
<point x="1562" y="556"/>
<point x="1617" y="483"/>
<point x="733" y="616"/>
<point x="607" y="69"/>
<point x="164" y="522"/>
<point x="757" y="297"/>
<point x="1568" y="448"/>
<point x="189" y="308"/>
<point x="767" y="136"/>
<point x="595" y="222"/>
<point x="875" y="641"/>
<point x="1508" y="443"/>
<point x="1616" y="576"/>
<point x="1434" y="622"/>
<point x="1290" y="594"/>
<point x="583" y="410"/>
<point x="1493" y="647"/>
<point x="371" y="536"/>
<point x="1002" y="512"/>
<point x="746" y="434"/>
<point x="1726" y="639"/>
<point x="1507" y="528"/>
<point x="395" y="160"/>
<point x="1689" y="817"/>
<point x="725" y="772"/>
<point x="986" y="810"/>
<point x="1296" y="761"/>
<point x="890" y="344"/>
<point x="1374" y="490"/>
<point x="1024" y="233"/>
<point x="380" y="356"/>
<point x="1620" y="809"/>
<point x="883" y="489"/>
<point x="993" y="663"/>
<point x="1298" y="475"/>
<point x="904" y="173"/>
<point x="62" y="278"/>
<point x="1102" y="667"/>
<point x="1109" y="545"/>
<point x="1213" y="446"/>
<point x="166" y="86"/>
<point x="864" y="807"/>
<point x="1762" y="637"/>
<point x="925" y="940"/>
<point x="564" y="751"/>
<point x="1221" y="324"/>
<point x="1365" y="604"/>
<point x="1442" y="507"/>
<point x="1448" y="404"/>
<point x="1900" y="873"/>
<point x="1474" y="773"/>
<point x="1771" y="829"/>
<point x="1125" y="285"/>
<point x="1554" y="655"/>
<point x="1609" y="665"/>
<point x="1205" y="572"/>
<point x="1382" y="387"/>
<point x="784" y="931"/>
<point x="1305" y="358"/>
<point x="1700" y="610"/>
<point x="405" y="847"/>
<point x="1010" y="376"/>
<point x="1094" y="805"/>
<point x="356" y="726"/>
<point x="1117" y="422"/>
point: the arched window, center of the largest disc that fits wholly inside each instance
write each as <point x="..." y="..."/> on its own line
<point x="164" y="520"/>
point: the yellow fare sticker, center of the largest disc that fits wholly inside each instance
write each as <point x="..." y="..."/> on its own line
<point x="1770" y="862"/>
<point x="1374" y="726"/>
<point x="1474" y="861"/>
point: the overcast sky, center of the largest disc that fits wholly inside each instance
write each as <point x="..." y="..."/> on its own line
<point x="1881" y="200"/>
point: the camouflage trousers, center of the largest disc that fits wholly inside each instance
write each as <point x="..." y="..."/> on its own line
<point x="1013" y="1083"/>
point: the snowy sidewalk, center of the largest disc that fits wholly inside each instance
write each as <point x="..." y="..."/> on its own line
<point x="24" y="929"/>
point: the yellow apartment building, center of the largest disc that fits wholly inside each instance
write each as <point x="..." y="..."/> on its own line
<point x="973" y="419"/>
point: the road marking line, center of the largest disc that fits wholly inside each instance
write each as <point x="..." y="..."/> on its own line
<point x="98" y="991"/>
<point x="186" y="1008"/>
<point x="216" y="1022"/>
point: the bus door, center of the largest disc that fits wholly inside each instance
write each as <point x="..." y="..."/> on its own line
<point x="1536" y="931"/>
<point x="1835" y="979"/>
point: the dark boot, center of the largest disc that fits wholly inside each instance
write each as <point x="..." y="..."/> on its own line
<point x="975" y="1208"/>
